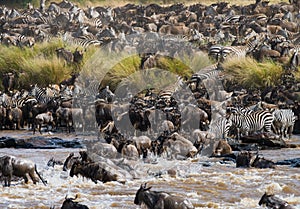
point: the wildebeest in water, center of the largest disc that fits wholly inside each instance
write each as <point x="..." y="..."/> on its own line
<point x="160" y="200"/>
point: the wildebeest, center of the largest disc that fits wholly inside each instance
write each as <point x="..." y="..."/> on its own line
<point x="222" y="148"/>
<point x="260" y="162"/>
<point x="96" y="172"/>
<point x="243" y="159"/>
<point x="71" y="159"/>
<point x="10" y="165"/>
<point x="65" y="55"/>
<point x="52" y="162"/>
<point x="160" y="200"/>
<point x="69" y="203"/>
<point x="43" y="119"/>
<point x="8" y="81"/>
<point x="273" y="202"/>
<point x="14" y="117"/>
<point x="143" y="144"/>
<point x="177" y="146"/>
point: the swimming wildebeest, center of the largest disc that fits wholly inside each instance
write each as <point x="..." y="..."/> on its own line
<point x="70" y="204"/>
<point x="10" y="165"/>
<point x="271" y="201"/>
<point x="96" y="172"/>
<point x="160" y="200"/>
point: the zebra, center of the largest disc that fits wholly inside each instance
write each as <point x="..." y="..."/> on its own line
<point x="220" y="53"/>
<point x="210" y="72"/>
<point x="22" y="41"/>
<point x="284" y="120"/>
<point x="43" y="95"/>
<point x="237" y="51"/>
<point x="5" y="100"/>
<point x="252" y="122"/>
<point x="83" y="41"/>
<point x="94" y="22"/>
<point x="220" y="127"/>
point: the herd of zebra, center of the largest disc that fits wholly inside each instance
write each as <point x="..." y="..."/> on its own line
<point x="260" y="30"/>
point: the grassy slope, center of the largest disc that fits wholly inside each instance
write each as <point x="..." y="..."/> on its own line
<point x="40" y="65"/>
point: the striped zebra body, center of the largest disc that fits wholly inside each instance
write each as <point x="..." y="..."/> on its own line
<point x="233" y="19"/>
<point x="25" y="41"/>
<point x="83" y="41"/>
<point x="215" y="51"/>
<point x="5" y="100"/>
<point x="42" y="95"/>
<point x="220" y="127"/>
<point x="210" y="72"/>
<point x="284" y="120"/>
<point x="253" y="122"/>
<point x="20" y="102"/>
<point x="221" y="53"/>
<point x="94" y="22"/>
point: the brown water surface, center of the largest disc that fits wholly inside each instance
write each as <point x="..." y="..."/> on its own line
<point x="216" y="186"/>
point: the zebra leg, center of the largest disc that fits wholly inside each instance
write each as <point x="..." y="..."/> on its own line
<point x="288" y="131"/>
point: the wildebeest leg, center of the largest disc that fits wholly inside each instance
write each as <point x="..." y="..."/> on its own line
<point x="40" y="128"/>
<point x="25" y="178"/>
<point x="7" y="180"/>
<point x="33" y="178"/>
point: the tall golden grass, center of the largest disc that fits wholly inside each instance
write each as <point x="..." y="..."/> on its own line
<point x="36" y="65"/>
<point x="251" y="74"/>
<point x="113" y="68"/>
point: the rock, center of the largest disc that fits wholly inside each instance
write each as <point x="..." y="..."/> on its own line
<point x="38" y="142"/>
<point x="295" y="162"/>
<point x="265" y="140"/>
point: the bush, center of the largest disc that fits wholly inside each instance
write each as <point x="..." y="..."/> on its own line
<point x="251" y="74"/>
<point x="37" y="65"/>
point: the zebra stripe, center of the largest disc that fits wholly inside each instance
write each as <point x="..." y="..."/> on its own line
<point x="253" y="122"/>
<point x="5" y="100"/>
<point x="284" y="120"/>
<point x="20" y="102"/>
<point x="94" y="22"/>
<point x="83" y="41"/>
<point x="220" y="127"/>
<point x="42" y="95"/>
<point x="220" y="53"/>
<point x="237" y="51"/>
<point x="210" y="72"/>
<point x="233" y="19"/>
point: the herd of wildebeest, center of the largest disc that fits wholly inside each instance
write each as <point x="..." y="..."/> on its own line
<point x="153" y="122"/>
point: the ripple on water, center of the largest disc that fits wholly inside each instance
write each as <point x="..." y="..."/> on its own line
<point x="219" y="186"/>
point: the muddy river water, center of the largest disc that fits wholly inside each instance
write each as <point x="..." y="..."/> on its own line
<point x="206" y="182"/>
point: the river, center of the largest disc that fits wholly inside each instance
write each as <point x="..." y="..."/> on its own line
<point x="206" y="182"/>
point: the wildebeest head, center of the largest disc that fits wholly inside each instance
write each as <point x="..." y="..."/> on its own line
<point x="70" y="204"/>
<point x="271" y="201"/>
<point x="140" y="194"/>
<point x="75" y="169"/>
